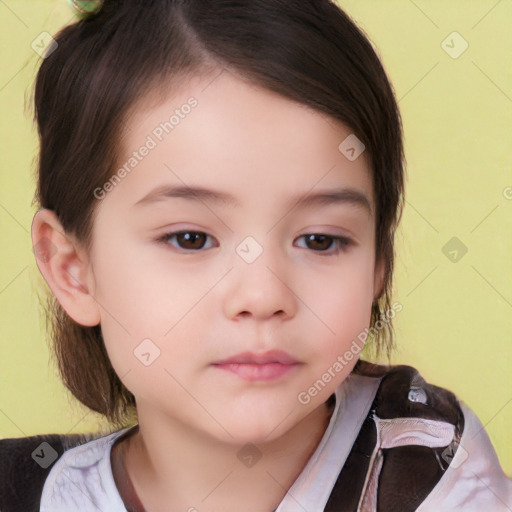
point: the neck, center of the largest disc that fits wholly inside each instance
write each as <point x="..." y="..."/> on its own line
<point x="172" y="467"/>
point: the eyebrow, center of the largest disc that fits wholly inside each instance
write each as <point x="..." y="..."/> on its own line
<point x="349" y="196"/>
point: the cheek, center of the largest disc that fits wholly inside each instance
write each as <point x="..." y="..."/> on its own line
<point x="131" y="291"/>
<point x="343" y="302"/>
<point x="342" y="306"/>
<point x="139" y="303"/>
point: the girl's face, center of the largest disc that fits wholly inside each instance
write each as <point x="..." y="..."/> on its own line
<point x="245" y="274"/>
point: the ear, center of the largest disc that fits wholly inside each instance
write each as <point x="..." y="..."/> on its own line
<point x="65" y="267"/>
<point x="378" y="280"/>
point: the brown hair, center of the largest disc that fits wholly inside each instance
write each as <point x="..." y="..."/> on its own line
<point x="306" y="50"/>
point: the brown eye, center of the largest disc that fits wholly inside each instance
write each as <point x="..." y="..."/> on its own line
<point x="191" y="240"/>
<point x="323" y="243"/>
<point x="319" y="242"/>
<point x="187" y="240"/>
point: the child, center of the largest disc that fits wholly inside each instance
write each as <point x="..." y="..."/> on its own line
<point x="193" y="155"/>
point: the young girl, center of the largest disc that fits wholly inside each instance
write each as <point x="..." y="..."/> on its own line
<point x="219" y="187"/>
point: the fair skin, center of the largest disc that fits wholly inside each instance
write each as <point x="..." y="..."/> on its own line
<point x="203" y="303"/>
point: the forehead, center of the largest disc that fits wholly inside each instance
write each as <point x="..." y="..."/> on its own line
<point x="221" y="132"/>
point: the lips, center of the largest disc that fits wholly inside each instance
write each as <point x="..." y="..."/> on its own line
<point x="259" y="367"/>
<point x="272" y="356"/>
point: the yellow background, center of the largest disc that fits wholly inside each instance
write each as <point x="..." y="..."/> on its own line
<point x="456" y="322"/>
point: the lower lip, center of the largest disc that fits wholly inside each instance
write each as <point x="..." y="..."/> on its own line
<point x="254" y="372"/>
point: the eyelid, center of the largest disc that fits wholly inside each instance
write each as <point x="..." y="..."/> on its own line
<point x="164" y="239"/>
<point x="342" y="243"/>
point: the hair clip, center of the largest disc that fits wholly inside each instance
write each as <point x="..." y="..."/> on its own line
<point x="86" y="7"/>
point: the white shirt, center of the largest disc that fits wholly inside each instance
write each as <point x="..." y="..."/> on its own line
<point x="82" y="480"/>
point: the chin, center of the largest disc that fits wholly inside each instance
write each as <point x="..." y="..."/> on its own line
<point x="259" y="428"/>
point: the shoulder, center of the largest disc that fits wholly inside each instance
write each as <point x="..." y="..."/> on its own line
<point x="474" y="480"/>
<point x="82" y="479"/>
<point x="431" y="449"/>
<point x="403" y="392"/>
<point x="25" y="464"/>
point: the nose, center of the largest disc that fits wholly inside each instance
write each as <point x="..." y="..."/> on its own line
<point x="260" y="289"/>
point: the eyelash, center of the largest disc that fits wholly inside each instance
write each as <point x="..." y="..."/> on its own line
<point x="342" y="243"/>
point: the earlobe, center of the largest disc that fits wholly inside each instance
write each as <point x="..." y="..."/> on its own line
<point x="65" y="267"/>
